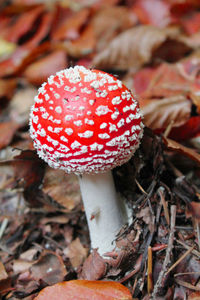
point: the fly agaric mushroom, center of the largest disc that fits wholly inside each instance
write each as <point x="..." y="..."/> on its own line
<point x="87" y="122"/>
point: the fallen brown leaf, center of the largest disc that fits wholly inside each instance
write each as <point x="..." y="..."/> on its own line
<point x="109" y="22"/>
<point x="62" y="188"/>
<point x="175" y="146"/>
<point x="3" y="273"/>
<point x="94" y="267"/>
<point x="76" y="253"/>
<point x="7" y="130"/>
<point x="158" y="114"/>
<point x="7" y="87"/>
<point x="50" y="268"/>
<point x="87" y="290"/>
<point x="133" y="48"/>
<point x="20" y="105"/>
<point x="70" y="26"/>
<point x="41" y="69"/>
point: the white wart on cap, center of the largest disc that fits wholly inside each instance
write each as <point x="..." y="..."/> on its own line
<point x="85" y="121"/>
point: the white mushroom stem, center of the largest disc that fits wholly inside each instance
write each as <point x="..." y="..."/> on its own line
<point x="104" y="211"/>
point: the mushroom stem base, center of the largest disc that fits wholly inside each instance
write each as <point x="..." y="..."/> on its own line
<point x="103" y="210"/>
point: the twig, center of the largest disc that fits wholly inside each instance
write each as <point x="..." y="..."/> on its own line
<point x="140" y="187"/>
<point x="198" y="233"/>
<point x="161" y="276"/>
<point x="195" y="252"/>
<point x="136" y="269"/>
<point x="3" y="227"/>
<point x="187" y="285"/>
<point x="179" y="260"/>
<point x="164" y="204"/>
<point x="168" y="129"/>
<point x="149" y="271"/>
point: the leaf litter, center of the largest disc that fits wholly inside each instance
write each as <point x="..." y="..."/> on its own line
<point x="43" y="231"/>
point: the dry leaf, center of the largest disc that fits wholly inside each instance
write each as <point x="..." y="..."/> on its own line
<point x="154" y="12"/>
<point x="158" y="114"/>
<point x="7" y="87"/>
<point x="7" y="130"/>
<point x="133" y="48"/>
<point x="62" y="188"/>
<point x="82" y="46"/>
<point x="194" y="296"/>
<point x="6" y="49"/>
<point x="109" y="22"/>
<point x="21" y="24"/>
<point x="3" y="273"/>
<point x="94" y="267"/>
<point x="85" y="289"/>
<point x="19" y="107"/>
<point x="50" y="268"/>
<point x="188" y="130"/>
<point x="76" y="253"/>
<point x="71" y="26"/>
<point x="172" y="145"/>
<point x="41" y="69"/>
<point x="163" y="81"/>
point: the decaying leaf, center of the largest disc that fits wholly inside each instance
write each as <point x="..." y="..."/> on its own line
<point x="50" y="268"/>
<point x="94" y="267"/>
<point x="6" y="49"/>
<point x="41" y="69"/>
<point x="62" y="188"/>
<point x="134" y="47"/>
<point x="19" y="107"/>
<point x="160" y="113"/>
<point x="166" y="80"/>
<point x="3" y="273"/>
<point x="172" y="145"/>
<point x="84" y="289"/>
<point x="154" y="12"/>
<point x="7" y="87"/>
<point x="108" y="22"/>
<point x="71" y="25"/>
<point x="76" y="253"/>
<point x="8" y="130"/>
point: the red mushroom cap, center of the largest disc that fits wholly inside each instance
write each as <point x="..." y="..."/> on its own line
<point x="85" y="121"/>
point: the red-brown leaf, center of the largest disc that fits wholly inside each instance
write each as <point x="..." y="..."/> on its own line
<point x="187" y="130"/>
<point x="172" y="145"/>
<point x="83" y="45"/>
<point x="7" y="87"/>
<point x="7" y="131"/>
<point x="158" y="114"/>
<point x="42" y="68"/>
<point x="70" y="27"/>
<point x="154" y="12"/>
<point x="87" y="290"/>
<point x="164" y="81"/>
<point x="22" y="25"/>
<point x="133" y="48"/>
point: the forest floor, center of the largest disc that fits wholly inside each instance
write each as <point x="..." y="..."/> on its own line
<point x="153" y="46"/>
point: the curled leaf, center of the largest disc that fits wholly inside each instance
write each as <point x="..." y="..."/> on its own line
<point x="158" y="114"/>
<point x="134" y="47"/>
<point x="41" y="69"/>
<point x="172" y="145"/>
<point x="87" y="290"/>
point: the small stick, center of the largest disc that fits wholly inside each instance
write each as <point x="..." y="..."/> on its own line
<point x="195" y="252"/>
<point x="161" y="276"/>
<point x="164" y="204"/>
<point x="149" y="271"/>
<point x="198" y="233"/>
<point x="168" y="129"/>
<point x="180" y="259"/>
<point x="3" y="227"/>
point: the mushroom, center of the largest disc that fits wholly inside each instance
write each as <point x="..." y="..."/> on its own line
<point x="87" y="122"/>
